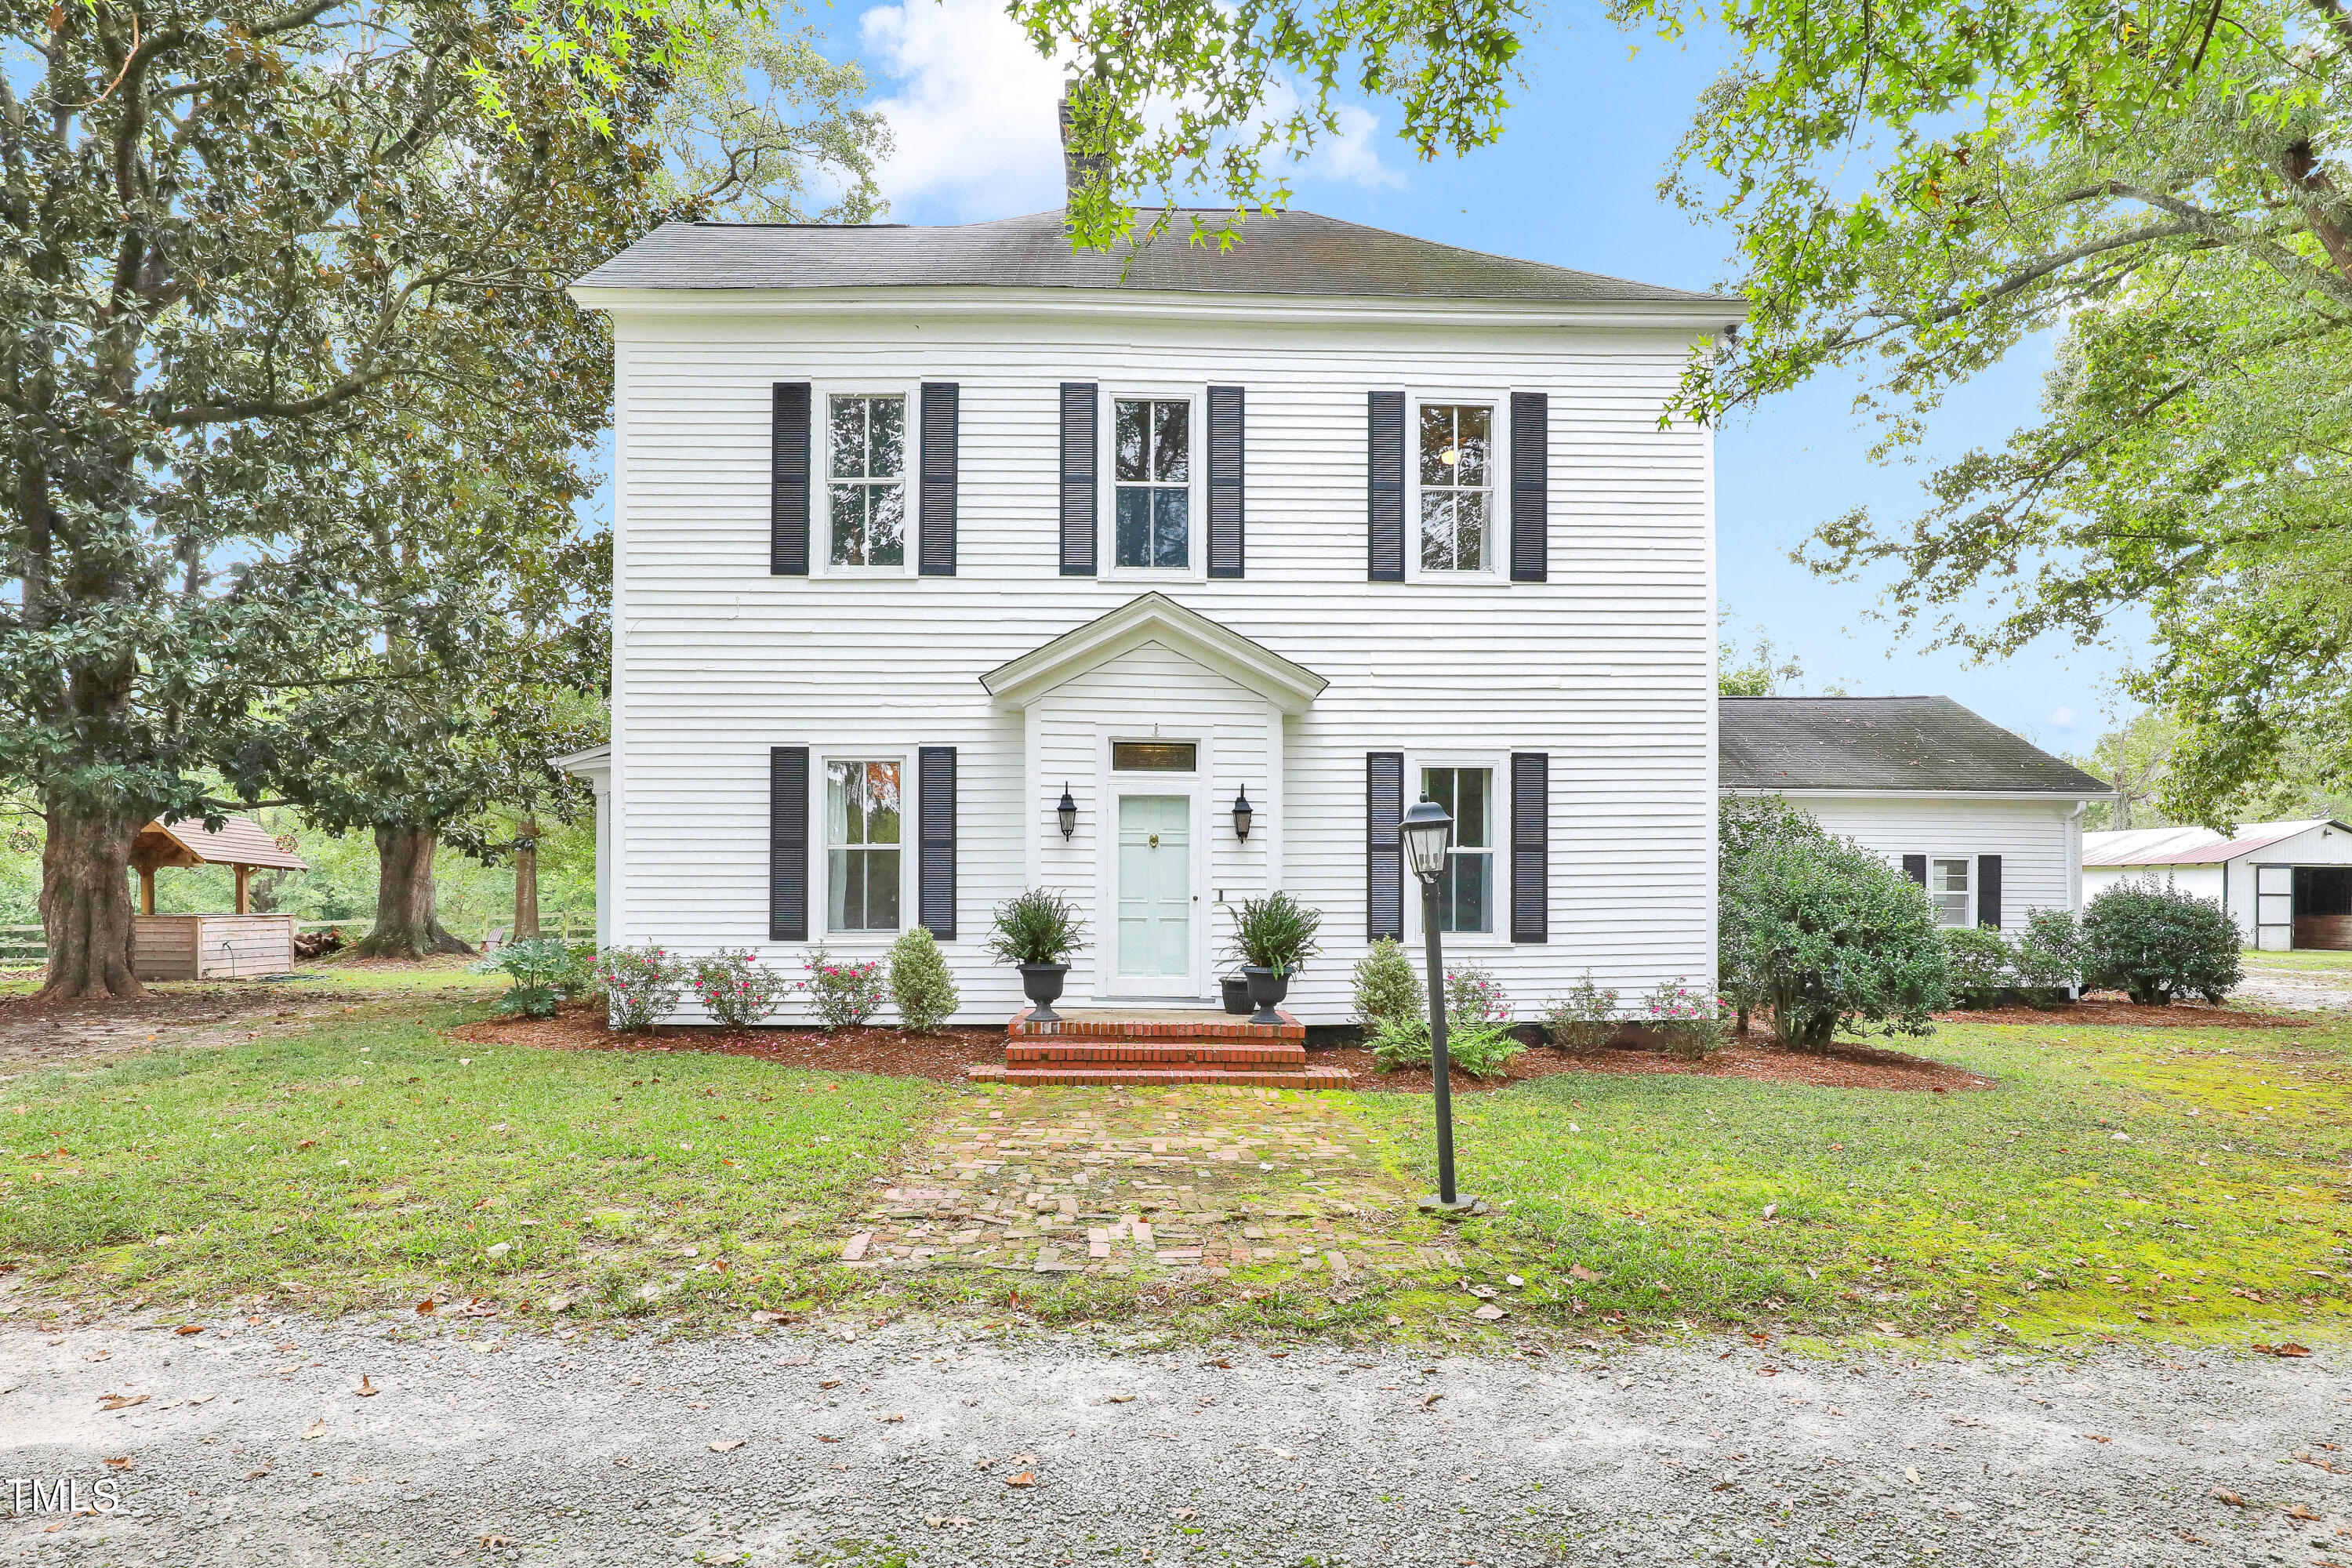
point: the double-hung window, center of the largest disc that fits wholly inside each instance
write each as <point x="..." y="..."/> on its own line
<point x="861" y="845"/>
<point x="1458" y="486"/>
<point x="1151" y="481"/>
<point x="1465" y="892"/>
<point x="1949" y="890"/>
<point x="865" y="478"/>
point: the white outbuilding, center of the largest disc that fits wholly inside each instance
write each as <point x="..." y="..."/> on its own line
<point x="2287" y="884"/>
<point x="1989" y="822"/>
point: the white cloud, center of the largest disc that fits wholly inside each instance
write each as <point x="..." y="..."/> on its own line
<point x="2064" y="718"/>
<point x="973" y="114"/>
<point x="974" y="118"/>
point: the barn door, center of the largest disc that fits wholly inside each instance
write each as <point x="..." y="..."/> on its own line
<point x="2275" y="908"/>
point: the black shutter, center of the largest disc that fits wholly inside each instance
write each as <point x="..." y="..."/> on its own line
<point x="1530" y="509"/>
<point x="1384" y="851"/>
<point x="788" y="827"/>
<point x="1916" y="867"/>
<point x="935" y="781"/>
<point x="1385" y="496"/>
<point x="1989" y="891"/>
<point x="1225" y="482"/>
<point x="1530" y="844"/>
<point x="1077" y="478"/>
<point x="937" y="557"/>
<point x="788" y="480"/>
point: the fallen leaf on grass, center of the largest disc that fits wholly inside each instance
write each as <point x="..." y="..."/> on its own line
<point x="1119" y="1399"/>
<point x="428" y="1305"/>
<point x="189" y="1329"/>
<point x="726" y="1444"/>
<point x="1911" y="1475"/>
<point x="1886" y="1328"/>
<point x="2297" y="1511"/>
<point x="318" y="1429"/>
<point x="1579" y="1271"/>
<point x="1025" y="1478"/>
<point x="2224" y="1495"/>
<point x="2095" y="1437"/>
<point x="121" y="1401"/>
<point x="2289" y="1349"/>
<point x="1429" y="1399"/>
<point x="366" y="1390"/>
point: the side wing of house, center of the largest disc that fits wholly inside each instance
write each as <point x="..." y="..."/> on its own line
<point x="1986" y="862"/>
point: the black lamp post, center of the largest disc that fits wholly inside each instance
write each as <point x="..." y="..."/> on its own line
<point x="1427" y="832"/>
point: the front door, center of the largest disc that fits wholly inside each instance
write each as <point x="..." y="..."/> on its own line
<point x="2275" y="908"/>
<point x="1155" y="894"/>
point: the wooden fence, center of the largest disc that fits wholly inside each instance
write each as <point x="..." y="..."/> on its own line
<point x="27" y="947"/>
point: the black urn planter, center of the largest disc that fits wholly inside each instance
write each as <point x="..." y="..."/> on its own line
<point x="1237" y="999"/>
<point x="1267" y="987"/>
<point x="1042" y="984"/>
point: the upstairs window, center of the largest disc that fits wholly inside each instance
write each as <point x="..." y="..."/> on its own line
<point x="861" y="845"/>
<point x="865" y="480"/>
<point x="1466" y="893"/>
<point x="1949" y="890"/>
<point x="1457" y="485"/>
<point x="1152" y="478"/>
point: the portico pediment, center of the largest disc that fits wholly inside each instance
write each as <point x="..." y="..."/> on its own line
<point x="1155" y="618"/>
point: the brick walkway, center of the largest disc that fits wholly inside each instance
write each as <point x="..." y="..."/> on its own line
<point x="1195" y="1182"/>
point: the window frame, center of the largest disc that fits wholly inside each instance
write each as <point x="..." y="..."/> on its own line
<point x="1935" y="895"/>
<point x="820" y="396"/>
<point x="821" y="845"/>
<point x="1498" y="768"/>
<point x="1498" y="468"/>
<point x="1195" y="397"/>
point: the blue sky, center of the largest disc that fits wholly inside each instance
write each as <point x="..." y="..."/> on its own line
<point x="1573" y="182"/>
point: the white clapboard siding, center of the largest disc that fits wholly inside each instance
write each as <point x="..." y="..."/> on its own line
<point x="2037" y="840"/>
<point x="1608" y="668"/>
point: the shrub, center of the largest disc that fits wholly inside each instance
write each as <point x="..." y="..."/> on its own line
<point x="1037" y="927"/>
<point x="735" y="989"/>
<point x="1827" y="935"/>
<point x="1583" y="1020"/>
<point x="2155" y="945"/>
<point x="1981" y="963"/>
<point x="920" y="987"/>
<point x="545" y="973"/>
<point x="844" y="995"/>
<point x="1475" y="999"/>
<point x="2049" y="956"/>
<point x="1688" y="1024"/>
<point x="1274" y="932"/>
<point x="1746" y="825"/>
<point x="1386" y="987"/>
<point x="1482" y="1051"/>
<point x="640" y="985"/>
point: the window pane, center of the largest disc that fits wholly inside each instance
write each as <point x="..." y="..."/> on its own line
<point x="1129" y="420"/>
<point x="1171" y="515"/>
<point x="1437" y="785"/>
<point x="848" y="438"/>
<point x="1951" y="876"/>
<point x="1470" y="531"/>
<point x="1133" y="526"/>
<point x="846" y="505"/>
<point x="1171" y="441"/>
<point x="1471" y="829"/>
<point x="1466" y="900"/>
<point x="1437" y="531"/>
<point x="1436" y="438"/>
<point x="882" y="803"/>
<point x="882" y="889"/>
<point x="886" y="525"/>
<point x="1154" y="756"/>
<point x="887" y="428"/>
<point x="1471" y="435"/>
<point x="844" y="818"/>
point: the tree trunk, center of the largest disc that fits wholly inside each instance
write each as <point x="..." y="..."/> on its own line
<point x="85" y="904"/>
<point x="526" y="920"/>
<point x="406" y="925"/>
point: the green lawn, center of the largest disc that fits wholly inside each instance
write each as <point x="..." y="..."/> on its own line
<point x="2172" y="1184"/>
<point x="373" y="1159"/>
<point x="2309" y="958"/>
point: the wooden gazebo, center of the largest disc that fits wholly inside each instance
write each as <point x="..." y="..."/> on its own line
<point x="200" y="947"/>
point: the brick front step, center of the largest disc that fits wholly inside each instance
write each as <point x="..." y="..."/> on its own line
<point x="1024" y="1028"/>
<point x="1289" y="1054"/>
<point x="1260" y="1077"/>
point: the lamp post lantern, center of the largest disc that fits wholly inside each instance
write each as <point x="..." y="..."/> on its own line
<point x="1427" y="833"/>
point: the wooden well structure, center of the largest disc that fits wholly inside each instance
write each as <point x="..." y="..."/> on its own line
<point x="207" y="946"/>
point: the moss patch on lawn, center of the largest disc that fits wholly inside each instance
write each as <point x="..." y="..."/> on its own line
<point x="374" y="1159"/>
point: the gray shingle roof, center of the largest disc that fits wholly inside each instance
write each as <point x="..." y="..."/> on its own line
<point x="1285" y="253"/>
<point x="1881" y="744"/>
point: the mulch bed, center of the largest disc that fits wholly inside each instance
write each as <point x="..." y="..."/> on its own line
<point x="1847" y="1065"/>
<point x="892" y="1052"/>
<point x="945" y="1055"/>
<point x="2109" y="1008"/>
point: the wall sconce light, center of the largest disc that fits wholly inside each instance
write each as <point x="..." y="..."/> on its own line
<point x="1242" y="812"/>
<point x="1068" y="811"/>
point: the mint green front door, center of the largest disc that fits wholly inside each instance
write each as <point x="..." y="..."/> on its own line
<point x="1155" y="891"/>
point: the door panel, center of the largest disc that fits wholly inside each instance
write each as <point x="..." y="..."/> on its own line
<point x="2275" y="908"/>
<point x="1155" y="888"/>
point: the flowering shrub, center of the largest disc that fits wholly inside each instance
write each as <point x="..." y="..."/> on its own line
<point x="1688" y="1021"/>
<point x="735" y="989"/>
<point x="1583" y="1020"/>
<point x="640" y="985"/>
<point x="1475" y="999"/>
<point x="845" y="994"/>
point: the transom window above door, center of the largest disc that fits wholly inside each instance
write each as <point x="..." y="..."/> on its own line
<point x="1947" y="889"/>
<point x="865" y="480"/>
<point x="1457" y="484"/>
<point x="1466" y="893"/>
<point x="861" y="845"/>
<point x="1151" y="481"/>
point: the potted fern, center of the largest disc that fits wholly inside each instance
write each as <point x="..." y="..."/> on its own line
<point x="1039" y="930"/>
<point x="1273" y="937"/>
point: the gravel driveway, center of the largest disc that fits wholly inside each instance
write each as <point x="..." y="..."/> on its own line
<point x="251" y="1445"/>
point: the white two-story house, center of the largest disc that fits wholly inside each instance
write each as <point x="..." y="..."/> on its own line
<point x="948" y="563"/>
